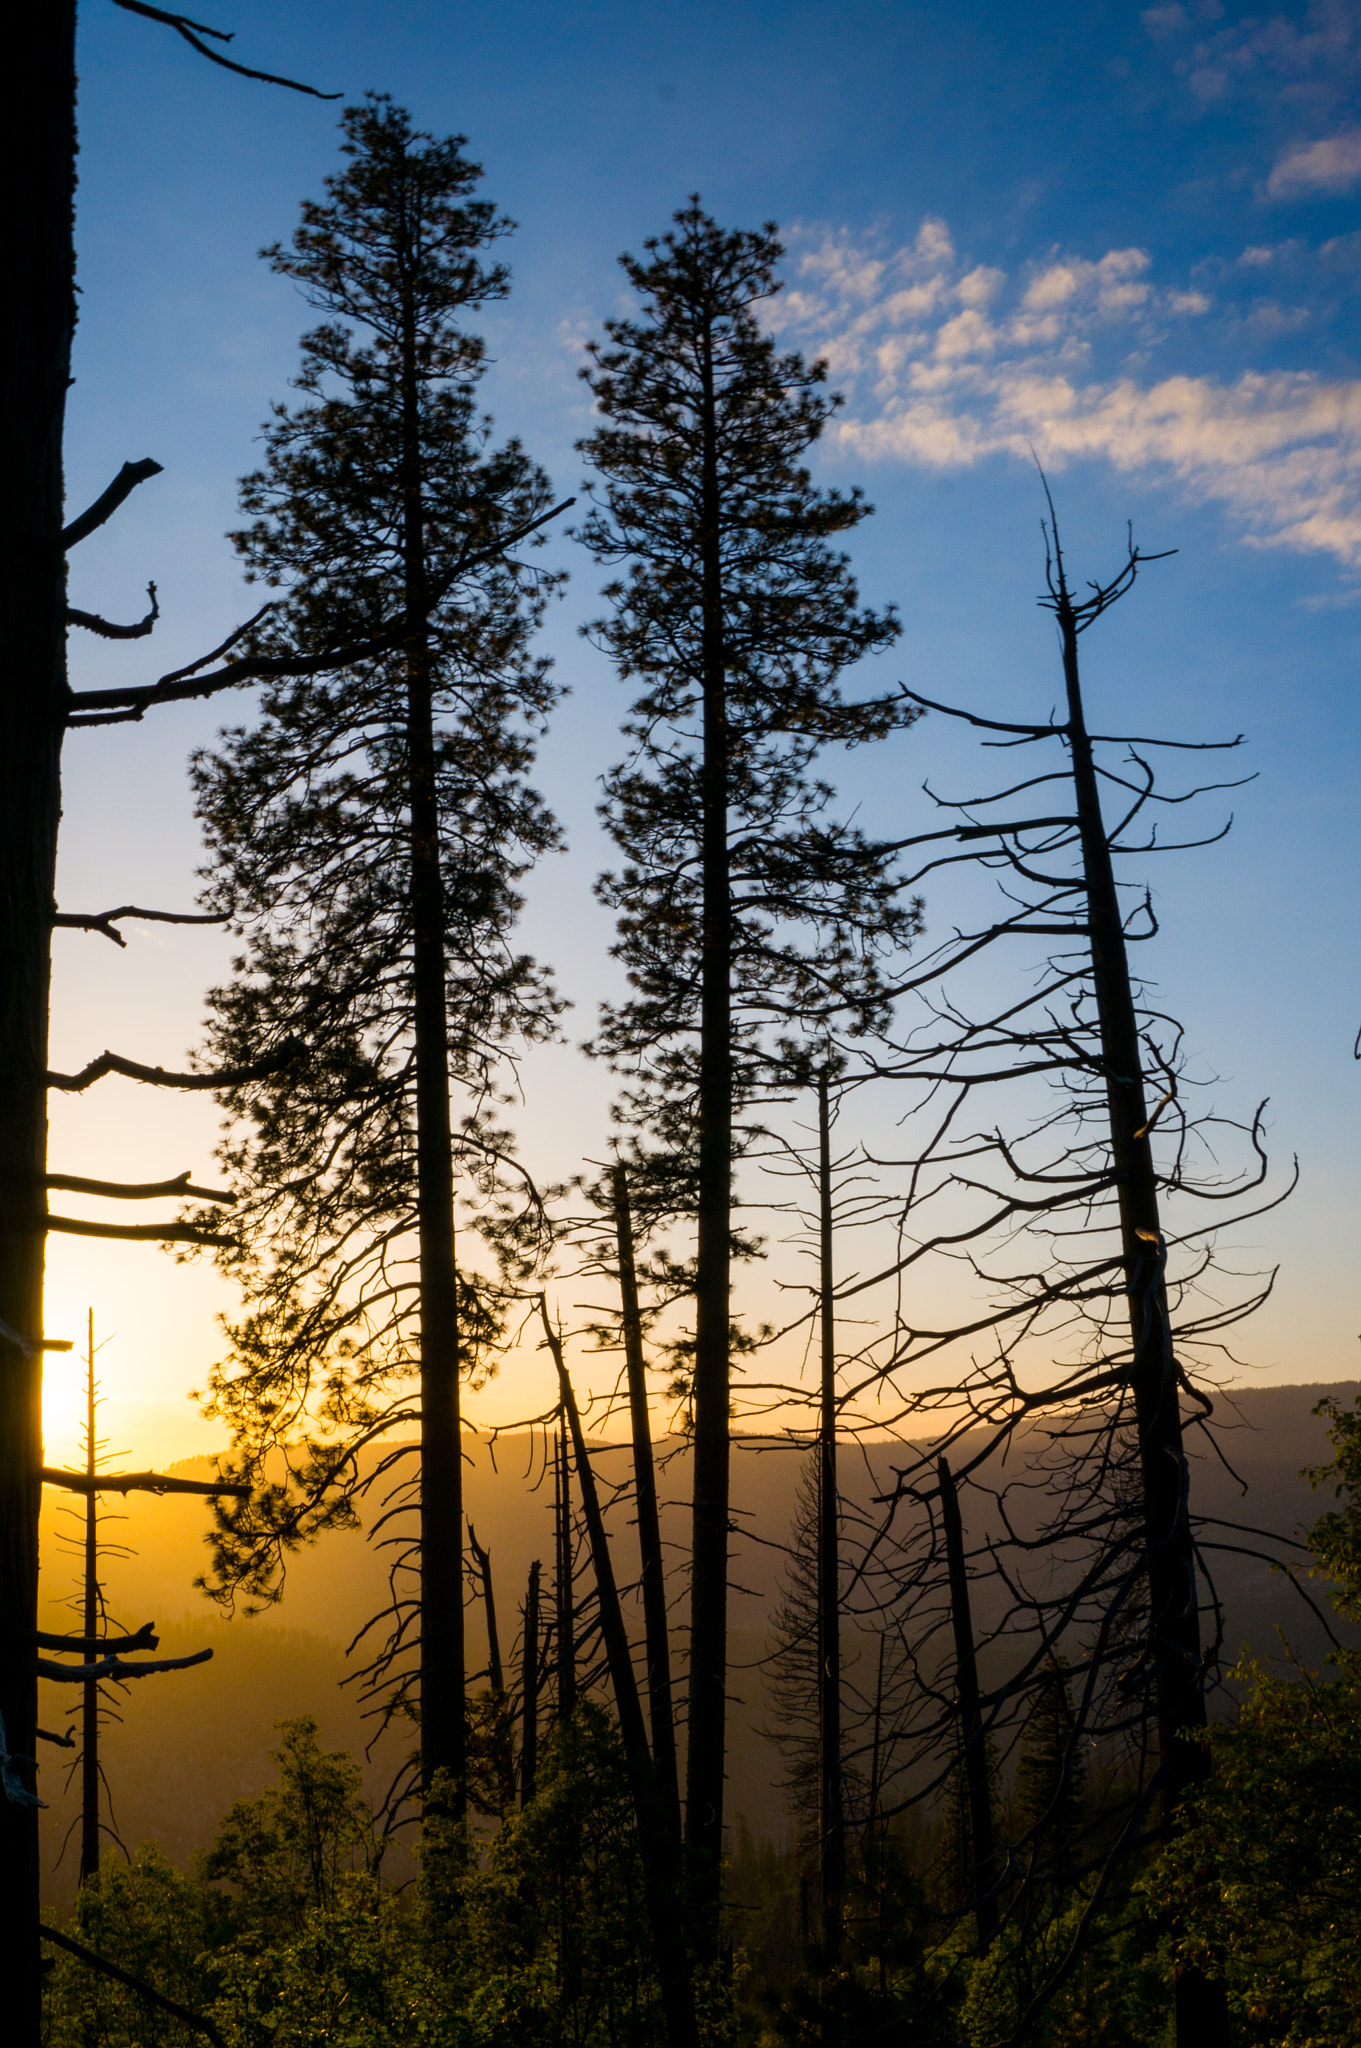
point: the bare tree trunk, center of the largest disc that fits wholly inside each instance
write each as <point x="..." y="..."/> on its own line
<point x="443" y="1692"/>
<point x="37" y="320"/>
<point x="656" y="1844"/>
<point x="564" y="1591"/>
<point x="973" y="1748"/>
<point x="496" y="1676"/>
<point x="529" y="1688"/>
<point x="89" y="1755"/>
<point x="712" y="1388"/>
<point x="831" y="1804"/>
<point x="655" y="1627"/>
<point x="1174" y="1622"/>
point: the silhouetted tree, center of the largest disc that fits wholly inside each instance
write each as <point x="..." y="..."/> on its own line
<point x="367" y="835"/>
<point x="37" y="326"/>
<point x="741" y="904"/>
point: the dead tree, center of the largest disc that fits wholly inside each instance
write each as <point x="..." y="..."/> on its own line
<point x="529" y="1688"/>
<point x="658" y="1844"/>
<point x="37" y="178"/>
<point x="1102" y="1558"/>
<point x="96" y="1634"/>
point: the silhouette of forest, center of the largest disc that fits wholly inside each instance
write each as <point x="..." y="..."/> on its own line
<point x="905" y="1618"/>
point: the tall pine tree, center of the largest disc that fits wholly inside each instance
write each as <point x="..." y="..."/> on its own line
<point x="744" y="908"/>
<point x="367" y="836"/>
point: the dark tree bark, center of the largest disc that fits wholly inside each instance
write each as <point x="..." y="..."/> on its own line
<point x="973" y="1748"/>
<point x="713" y="1312"/>
<point x="655" y="1620"/>
<point x="529" y="1688"/>
<point x="37" y="179"/>
<point x="1174" y="1619"/>
<point x="90" y="1616"/>
<point x="564" y="1593"/>
<point x="831" y="1804"/>
<point x="496" y="1676"/>
<point x="657" y="1845"/>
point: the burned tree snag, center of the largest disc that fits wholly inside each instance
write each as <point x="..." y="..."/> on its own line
<point x="657" y="1846"/>
<point x="655" y="1624"/>
<point x="972" y="1745"/>
<point x="831" y="1805"/>
<point x="529" y="1688"/>
<point x="564" y="1592"/>
<point x="37" y="322"/>
<point x="496" y="1676"/>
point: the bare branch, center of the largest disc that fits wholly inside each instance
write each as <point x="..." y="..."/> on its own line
<point x="139" y="1482"/>
<point x="114" y="1667"/>
<point x="158" y="1077"/>
<point x="105" y="628"/>
<point x="108" y="501"/>
<point x="136" y="1191"/>
<point x="148" y="1233"/>
<point x="191" y="30"/>
<point x="94" y="1646"/>
<point x="103" y="921"/>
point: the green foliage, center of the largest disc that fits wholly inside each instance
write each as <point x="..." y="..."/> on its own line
<point x="286" y="1938"/>
<point x="1268" y="1878"/>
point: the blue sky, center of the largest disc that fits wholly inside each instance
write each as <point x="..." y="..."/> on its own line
<point x="1130" y="240"/>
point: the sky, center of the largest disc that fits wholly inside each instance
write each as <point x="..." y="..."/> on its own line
<point x="1125" y="242"/>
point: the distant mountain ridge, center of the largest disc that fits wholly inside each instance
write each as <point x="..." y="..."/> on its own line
<point x="194" y="1741"/>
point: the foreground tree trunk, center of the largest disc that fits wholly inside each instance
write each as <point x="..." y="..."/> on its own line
<point x="444" y="1736"/>
<point x="973" y="1747"/>
<point x="1174" y="1621"/>
<point x="36" y="327"/>
<point x="831" y="1803"/>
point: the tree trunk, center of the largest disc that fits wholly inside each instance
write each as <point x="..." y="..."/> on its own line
<point x="1174" y="1621"/>
<point x="496" y="1676"/>
<point x="831" y="1805"/>
<point x="564" y="1591"/>
<point x="655" y="1626"/>
<point x="656" y="1844"/>
<point x="36" y="326"/>
<point x="529" y="1689"/>
<point x="973" y="1748"/>
<point x="443" y="1704"/>
<point x="89" y="1755"/>
<point x="709" y="1540"/>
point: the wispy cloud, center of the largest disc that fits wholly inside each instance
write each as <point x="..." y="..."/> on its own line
<point x="946" y="364"/>
<point x="1331" y="165"/>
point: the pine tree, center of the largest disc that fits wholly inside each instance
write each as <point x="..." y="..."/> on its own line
<point x="367" y="836"/>
<point x="742" y="904"/>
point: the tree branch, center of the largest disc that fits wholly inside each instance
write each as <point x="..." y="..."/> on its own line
<point x="101" y="707"/>
<point x="103" y="921"/>
<point x="92" y="1646"/>
<point x="105" y="628"/>
<point x="192" y="30"/>
<point x="147" y="1233"/>
<point x="184" y="2013"/>
<point x="158" y="1077"/>
<point x="139" y="1482"/>
<point x="136" y="1191"/>
<point x="108" y="501"/>
<point x="114" y="1667"/>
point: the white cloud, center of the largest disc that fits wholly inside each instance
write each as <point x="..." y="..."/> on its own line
<point x="941" y="384"/>
<point x="1332" y="165"/>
